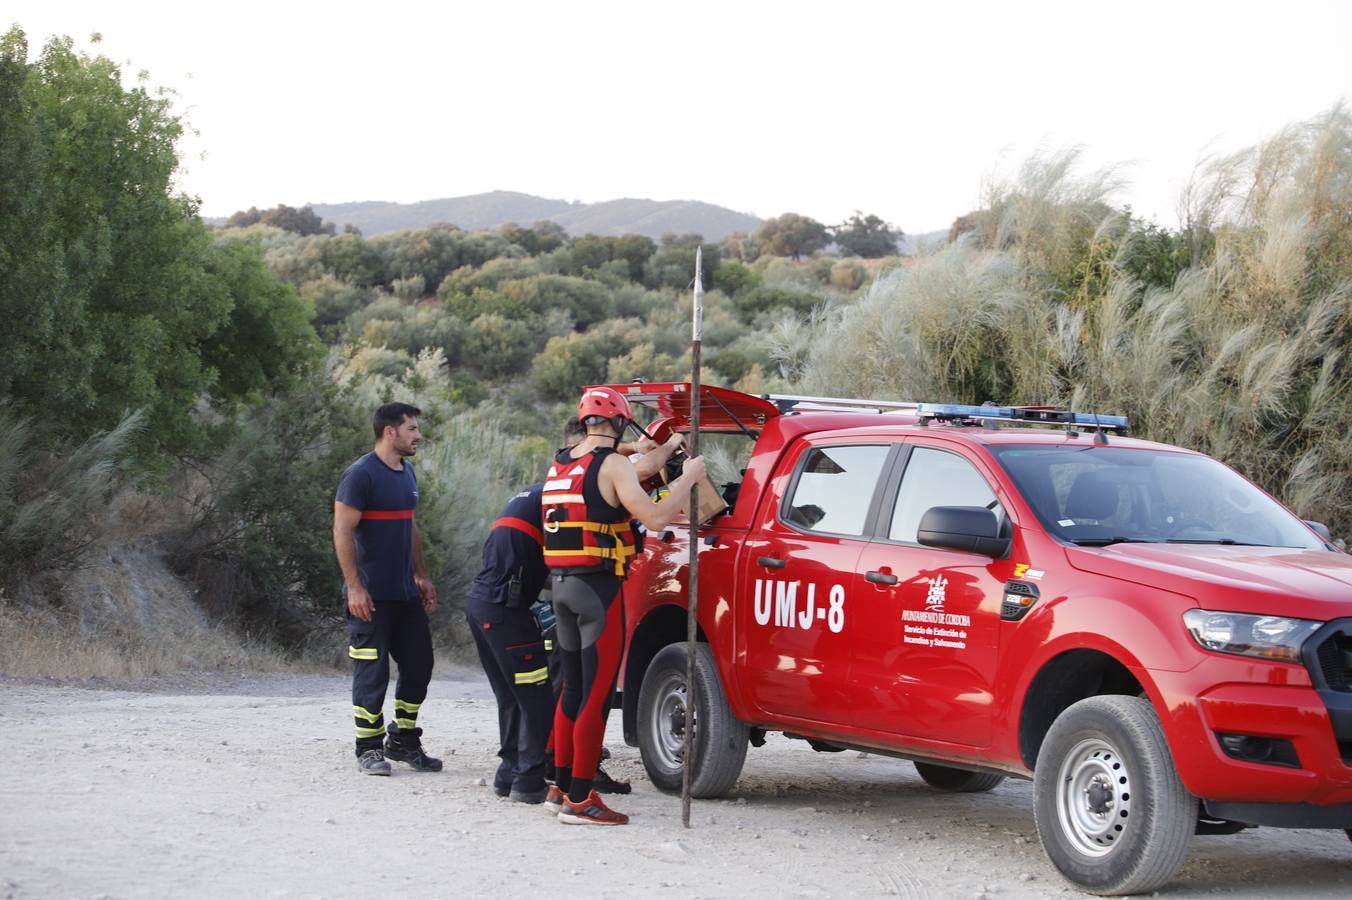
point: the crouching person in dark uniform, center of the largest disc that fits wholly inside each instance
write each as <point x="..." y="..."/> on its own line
<point x="511" y="647"/>
<point x="387" y="592"/>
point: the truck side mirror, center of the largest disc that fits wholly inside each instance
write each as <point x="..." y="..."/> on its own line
<point x="1320" y="529"/>
<point x="971" y="528"/>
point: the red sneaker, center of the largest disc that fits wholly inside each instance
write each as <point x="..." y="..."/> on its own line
<point x="590" y="812"/>
<point x="554" y="799"/>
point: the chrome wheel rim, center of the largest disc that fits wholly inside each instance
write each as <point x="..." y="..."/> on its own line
<point x="1094" y="797"/>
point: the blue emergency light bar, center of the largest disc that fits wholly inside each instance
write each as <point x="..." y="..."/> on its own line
<point x="1024" y="415"/>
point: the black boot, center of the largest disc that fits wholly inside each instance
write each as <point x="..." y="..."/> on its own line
<point x="406" y="747"/>
<point x="604" y="784"/>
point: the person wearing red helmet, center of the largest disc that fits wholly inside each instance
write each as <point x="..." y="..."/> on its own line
<point x="590" y="496"/>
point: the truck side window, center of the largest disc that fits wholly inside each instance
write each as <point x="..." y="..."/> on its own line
<point x="936" y="478"/>
<point x="834" y="489"/>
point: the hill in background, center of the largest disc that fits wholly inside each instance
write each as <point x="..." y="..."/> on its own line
<point x="496" y="208"/>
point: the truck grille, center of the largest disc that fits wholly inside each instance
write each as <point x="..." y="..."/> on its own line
<point x="1335" y="661"/>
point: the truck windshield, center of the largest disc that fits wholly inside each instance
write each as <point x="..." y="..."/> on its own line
<point x="1095" y="496"/>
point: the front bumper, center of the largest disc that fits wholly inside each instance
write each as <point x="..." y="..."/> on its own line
<point x="1281" y="815"/>
<point x="1242" y="696"/>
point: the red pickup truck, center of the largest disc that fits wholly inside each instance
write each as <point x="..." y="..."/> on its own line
<point x="1159" y="645"/>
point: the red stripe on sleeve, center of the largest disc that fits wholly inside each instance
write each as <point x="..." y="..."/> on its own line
<point x="381" y="515"/>
<point x="521" y="525"/>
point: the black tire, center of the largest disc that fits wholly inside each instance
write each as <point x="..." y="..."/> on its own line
<point x="959" y="781"/>
<point x="719" y="741"/>
<point x="1111" y="812"/>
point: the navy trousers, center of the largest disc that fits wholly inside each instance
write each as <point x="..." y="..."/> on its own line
<point x="401" y="631"/>
<point x="512" y="652"/>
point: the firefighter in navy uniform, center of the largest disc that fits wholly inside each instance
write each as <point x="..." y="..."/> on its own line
<point x="589" y="498"/>
<point x="511" y="647"/>
<point x="386" y="591"/>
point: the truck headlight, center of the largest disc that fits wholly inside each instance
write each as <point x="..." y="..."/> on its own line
<point x="1269" y="637"/>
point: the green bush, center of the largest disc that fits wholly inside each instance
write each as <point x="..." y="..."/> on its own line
<point x="734" y="277"/>
<point x="332" y="301"/>
<point x="820" y="270"/>
<point x="673" y="263"/>
<point x="381" y="360"/>
<point x="848" y="275"/>
<point x="416" y="328"/>
<point x="586" y="301"/>
<point x="348" y="257"/>
<point x="466" y="279"/>
<point x="495" y="346"/>
<point x="731" y="364"/>
<point x="566" y="364"/>
<point x="765" y="299"/>
<point x="382" y="308"/>
<point x="645" y="362"/>
<point x="54" y="502"/>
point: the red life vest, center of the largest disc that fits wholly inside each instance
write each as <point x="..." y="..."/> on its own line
<point x="578" y="534"/>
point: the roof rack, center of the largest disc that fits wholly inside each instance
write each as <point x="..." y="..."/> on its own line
<point x="788" y="403"/>
<point x="1018" y="415"/>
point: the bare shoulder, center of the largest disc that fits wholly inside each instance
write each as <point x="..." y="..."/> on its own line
<point x="614" y="465"/>
<point x="617" y="469"/>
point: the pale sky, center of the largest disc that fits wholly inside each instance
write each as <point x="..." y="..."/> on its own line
<point x="898" y="109"/>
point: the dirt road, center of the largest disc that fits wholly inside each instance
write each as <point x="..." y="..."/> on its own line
<point x="245" y="786"/>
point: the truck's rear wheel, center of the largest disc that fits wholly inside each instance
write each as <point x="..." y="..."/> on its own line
<point x="1110" y="809"/>
<point x="961" y="781"/>
<point x="719" y="740"/>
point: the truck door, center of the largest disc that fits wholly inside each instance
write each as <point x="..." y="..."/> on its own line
<point x="925" y="626"/>
<point x="798" y="565"/>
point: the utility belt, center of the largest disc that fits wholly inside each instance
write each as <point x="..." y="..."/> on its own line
<point x="604" y="568"/>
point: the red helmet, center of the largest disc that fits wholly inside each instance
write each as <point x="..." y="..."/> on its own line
<point x="605" y="402"/>
<point x="661" y="429"/>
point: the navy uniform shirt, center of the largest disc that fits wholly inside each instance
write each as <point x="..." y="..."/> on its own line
<point x="515" y="547"/>
<point x="384" y="536"/>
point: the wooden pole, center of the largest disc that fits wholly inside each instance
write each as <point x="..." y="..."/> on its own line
<point x="688" y="746"/>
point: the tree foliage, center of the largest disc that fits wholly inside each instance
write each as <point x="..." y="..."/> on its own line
<point x="673" y="264"/>
<point x="792" y="235"/>
<point x="303" y="221"/>
<point x="542" y="237"/>
<point x="111" y="292"/>
<point x="267" y="341"/>
<point x="497" y="346"/>
<point x="866" y="236"/>
<point x="567" y="363"/>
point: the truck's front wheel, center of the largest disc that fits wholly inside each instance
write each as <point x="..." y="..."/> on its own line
<point x="719" y="740"/>
<point x="1110" y="809"/>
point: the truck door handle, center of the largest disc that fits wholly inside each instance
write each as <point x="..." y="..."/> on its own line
<point x="769" y="562"/>
<point x="880" y="578"/>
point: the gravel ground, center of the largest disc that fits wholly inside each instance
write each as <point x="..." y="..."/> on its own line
<point x="221" y="786"/>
